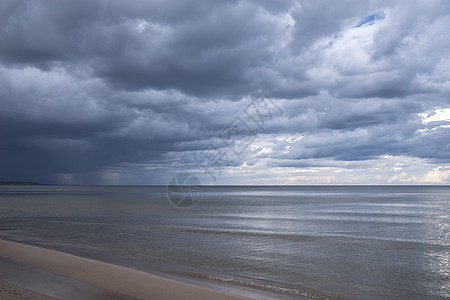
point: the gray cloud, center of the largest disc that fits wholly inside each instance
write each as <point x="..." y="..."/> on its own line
<point x="94" y="90"/>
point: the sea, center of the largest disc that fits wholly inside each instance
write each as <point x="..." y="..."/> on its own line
<point x="266" y="242"/>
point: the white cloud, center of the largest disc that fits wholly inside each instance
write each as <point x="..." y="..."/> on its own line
<point x="437" y="175"/>
<point x="437" y="115"/>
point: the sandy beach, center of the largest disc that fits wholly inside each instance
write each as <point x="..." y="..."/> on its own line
<point x="69" y="276"/>
<point x="13" y="292"/>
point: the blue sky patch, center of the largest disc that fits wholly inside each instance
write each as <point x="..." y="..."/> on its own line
<point x="370" y="19"/>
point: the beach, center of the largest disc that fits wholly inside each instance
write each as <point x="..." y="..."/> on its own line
<point x="92" y="279"/>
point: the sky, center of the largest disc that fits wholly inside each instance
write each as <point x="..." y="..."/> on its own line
<point x="233" y="92"/>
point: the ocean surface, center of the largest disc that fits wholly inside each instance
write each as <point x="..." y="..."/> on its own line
<point x="322" y="242"/>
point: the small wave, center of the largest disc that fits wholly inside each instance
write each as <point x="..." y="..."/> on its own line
<point x="274" y="288"/>
<point x="266" y="287"/>
<point x="249" y="233"/>
<point x="407" y="243"/>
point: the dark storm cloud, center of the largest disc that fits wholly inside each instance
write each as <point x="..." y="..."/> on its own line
<point x="200" y="49"/>
<point x="141" y="85"/>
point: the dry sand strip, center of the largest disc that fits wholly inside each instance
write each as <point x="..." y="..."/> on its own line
<point x="13" y="292"/>
<point x="114" y="280"/>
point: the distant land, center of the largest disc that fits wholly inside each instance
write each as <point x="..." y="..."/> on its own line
<point x="18" y="183"/>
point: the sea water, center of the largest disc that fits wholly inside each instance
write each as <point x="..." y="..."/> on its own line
<point x="351" y="242"/>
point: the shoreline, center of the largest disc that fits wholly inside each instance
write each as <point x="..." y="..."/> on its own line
<point x="94" y="279"/>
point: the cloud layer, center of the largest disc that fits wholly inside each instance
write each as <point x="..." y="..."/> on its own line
<point x="113" y="92"/>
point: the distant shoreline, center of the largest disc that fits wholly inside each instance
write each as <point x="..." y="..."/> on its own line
<point x="228" y="185"/>
<point x="19" y="183"/>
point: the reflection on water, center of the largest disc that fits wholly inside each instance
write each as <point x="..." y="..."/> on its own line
<point x="438" y="263"/>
